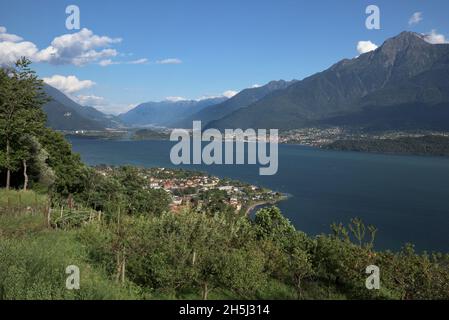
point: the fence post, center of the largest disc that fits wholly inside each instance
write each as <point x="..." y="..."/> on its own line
<point x="49" y="217"/>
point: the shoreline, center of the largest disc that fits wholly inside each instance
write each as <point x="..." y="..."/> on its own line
<point x="264" y="203"/>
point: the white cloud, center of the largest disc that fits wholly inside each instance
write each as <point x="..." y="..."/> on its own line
<point x="90" y="100"/>
<point x="139" y="61"/>
<point x="226" y="94"/>
<point x="78" y="48"/>
<point x="230" y="93"/>
<point x="256" y="86"/>
<point x="10" y="52"/>
<point x="175" y="99"/>
<point x="435" y="38"/>
<point x="415" y="18"/>
<point x="169" y="61"/>
<point x="69" y="84"/>
<point x="365" y="46"/>
<point x="7" y="36"/>
<point x="107" y="62"/>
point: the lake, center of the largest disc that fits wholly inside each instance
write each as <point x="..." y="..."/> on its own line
<point x="405" y="197"/>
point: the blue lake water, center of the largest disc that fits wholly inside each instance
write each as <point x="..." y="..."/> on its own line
<point x="405" y="197"/>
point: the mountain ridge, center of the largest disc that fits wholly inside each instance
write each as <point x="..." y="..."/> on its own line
<point x="65" y="114"/>
<point x="242" y="99"/>
<point x="165" y="113"/>
<point x="371" y="80"/>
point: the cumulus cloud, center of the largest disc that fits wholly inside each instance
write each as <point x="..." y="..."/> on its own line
<point x="78" y="48"/>
<point x="69" y="84"/>
<point x="169" y="61"/>
<point x="4" y="36"/>
<point x="90" y="100"/>
<point x="435" y="38"/>
<point x="10" y="52"/>
<point x="415" y="18"/>
<point x="365" y="46"/>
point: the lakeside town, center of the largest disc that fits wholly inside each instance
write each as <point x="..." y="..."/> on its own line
<point x="321" y="137"/>
<point x="311" y="136"/>
<point x="193" y="189"/>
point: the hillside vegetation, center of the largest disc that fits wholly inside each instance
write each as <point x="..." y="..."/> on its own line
<point x="427" y="145"/>
<point x="128" y="245"/>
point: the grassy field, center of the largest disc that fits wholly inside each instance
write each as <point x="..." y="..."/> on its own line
<point x="15" y="202"/>
<point x="33" y="258"/>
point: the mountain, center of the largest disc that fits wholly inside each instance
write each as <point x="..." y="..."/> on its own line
<point x="402" y="84"/>
<point x="165" y="113"/>
<point x="243" y="99"/>
<point x="65" y="114"/>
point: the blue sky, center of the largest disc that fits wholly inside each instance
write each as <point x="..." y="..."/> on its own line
<point x="219" y="46"/>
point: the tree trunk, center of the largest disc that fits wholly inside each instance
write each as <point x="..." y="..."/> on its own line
<point x="25" y="175"/>
<point x="118" y="266"/>
<point x="8" y="170"/>
<point x="123" y="266"/>
<point x="205" y="291"/>
<point x="298" y="289"/>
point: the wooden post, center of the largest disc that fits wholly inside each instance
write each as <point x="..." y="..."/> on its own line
<point x="25" y="175"/>
<point x="49" y="217"/>
<point x="123" y="266"/>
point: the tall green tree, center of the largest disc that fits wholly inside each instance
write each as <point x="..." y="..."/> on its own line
<point x="21" y="99"/>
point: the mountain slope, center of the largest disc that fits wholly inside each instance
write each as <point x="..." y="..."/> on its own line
<point x="166" y="113"/>
<point x="65" y="114"/>
<point x="405" y="70"/>
<point x="243" y="99"/>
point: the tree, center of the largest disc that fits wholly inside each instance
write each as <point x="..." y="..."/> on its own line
<point x="140" y="199"/>
<point x="215" y="202"/>
<point x="21" y="99"/>
<point x="70" y="172"/>
<point x="271" y="224"/>
<point x="300" y="268"/>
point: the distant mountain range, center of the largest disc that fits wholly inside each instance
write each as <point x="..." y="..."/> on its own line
<point x="65" y="114"/>
<point x="166" y="113"/>
<point x="243" y="99"/>
<point x="403" y="84"/>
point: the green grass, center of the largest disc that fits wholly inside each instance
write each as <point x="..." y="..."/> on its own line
<point x="34" y="268"/>
<point x="33" y="258"/>
<point x="22" y="198"/>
